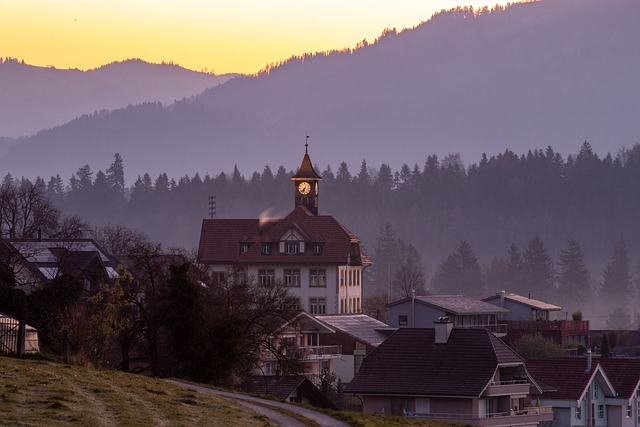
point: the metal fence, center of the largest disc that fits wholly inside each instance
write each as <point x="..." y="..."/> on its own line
<point x="16" y="337"/>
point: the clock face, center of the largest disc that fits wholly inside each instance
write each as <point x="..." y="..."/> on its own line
<point x="304" y="188"/>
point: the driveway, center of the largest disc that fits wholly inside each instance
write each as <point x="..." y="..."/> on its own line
<point x="269" y="408"/>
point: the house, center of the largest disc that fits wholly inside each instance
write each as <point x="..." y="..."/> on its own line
<point x="294" y="389"/>
<point x="624" y="374"/>
<point x="579" y="391"/>
<point x="530" y="316"/>
<point x="461" y="310"/>
<point x="37" y="262"/>
<point x="316" y="257"/>
<point x="357" y="335"/>
<point x="464" y="375"/>
<point x="301" y="338"/>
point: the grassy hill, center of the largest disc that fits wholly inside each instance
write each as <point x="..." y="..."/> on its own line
<point x="44" y="393"/>
<point x="37" y="392"/>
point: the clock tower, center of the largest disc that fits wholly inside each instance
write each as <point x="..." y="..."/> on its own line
<point x="306" y="184"/>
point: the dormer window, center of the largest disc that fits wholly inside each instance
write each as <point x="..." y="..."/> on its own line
<point x="244" y="247"/>
<point x="317" y="248"/>
<point x="291" y="248"/>
<point x="266" y="249"/>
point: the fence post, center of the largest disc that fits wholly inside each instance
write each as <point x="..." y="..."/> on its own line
<point x="65" y="346"/>
<point x="22" y="328"/>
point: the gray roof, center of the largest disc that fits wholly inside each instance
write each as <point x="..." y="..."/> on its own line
<point x="533" y="303"/>
<point x="359" y="326"/>
<point x="456" y="304"/>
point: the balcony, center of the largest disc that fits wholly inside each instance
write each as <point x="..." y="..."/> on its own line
<point x="566" y="327"/>
<point x="526" y="416"/>
<point x="321" y="352"/>
<point x="498" y="329"/>
<point x="505" y="388"/>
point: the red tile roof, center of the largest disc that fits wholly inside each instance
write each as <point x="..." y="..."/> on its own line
<point x="220" y="240"/>
<point x="568" y="376"/>
<point x="409" y="362"/>
<point x="624" y="374"/>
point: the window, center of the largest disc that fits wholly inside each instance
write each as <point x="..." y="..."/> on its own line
<point x="240" y="277"/>
<point x="271" y="368"/>
<point x="292" y="278"/>
<point x="312" y="340"/>
<point x="266" y="249"/>
<point x="578" y="412"/>
<point x="638" y="412"/>
<point x="423" y="405"/>
<point x="317" y="249"/>
<point x="266" y="277"/>
<point x="638" y="392"/>
<point x="629" y="411"/>
<point x="317" y="305"/>
<point x="318" y="278"/>
<point x="600" y="411"/>
<point x="595" y="391"/>
<point x="243" y="248"/>
<point x="403" y="320"/>
<point x="291" y="248"/>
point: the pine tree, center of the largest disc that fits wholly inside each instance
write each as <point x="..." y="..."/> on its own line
<point x="616" y="286"/>
<point x="115" y="175"/>
<point x="385" y="260"/>
<point x="538" y="267"/>
<point x="573" y="279"/>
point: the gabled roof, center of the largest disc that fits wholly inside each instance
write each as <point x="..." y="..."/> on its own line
<point x="624" y="374"/>
<point x="361" y="327"/>
<point x="220" y="240"/>
<point x="568" y="376"/>
<point x="455" y="304"/>
<point x="76" y="257"/>
<point x="283" y="387"/>
<point x="530" y="302"/>
<point x="409" y="362"/>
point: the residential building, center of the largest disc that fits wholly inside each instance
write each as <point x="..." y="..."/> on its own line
<point x="357" y="335"/>
<point x="530" y="316"/>
<point x="37" y="262"/>
<point x="577" y="388"/>
<point x="318" y="259"/>
<point x="461" y="310"/>
<point x="294" y="389"/>
<point x="590" y="391"/>
<point x="466" y="376"/>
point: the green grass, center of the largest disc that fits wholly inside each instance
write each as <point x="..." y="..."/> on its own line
<point x="47" y="393"/>
<point x="37" y="392"/>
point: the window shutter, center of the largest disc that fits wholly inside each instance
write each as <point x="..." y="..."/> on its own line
<point x="281" y="247"/>
<point x="301" y="246"/>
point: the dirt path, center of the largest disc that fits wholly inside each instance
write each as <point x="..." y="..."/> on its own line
<point x="263" y="407"/>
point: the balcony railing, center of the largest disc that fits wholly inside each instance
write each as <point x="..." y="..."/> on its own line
<point x="321" y="352"/>
<point x="498" y="329"/>
<point x="566" y="326"/>
<point x="525" y="415"/>
<point x="501" y="388"/>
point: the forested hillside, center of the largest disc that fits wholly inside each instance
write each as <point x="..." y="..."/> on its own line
<point x="498" y="206"/>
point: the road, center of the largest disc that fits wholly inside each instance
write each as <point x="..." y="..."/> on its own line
<point x="269" y="408"/>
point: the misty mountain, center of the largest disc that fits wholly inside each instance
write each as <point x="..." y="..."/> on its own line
<point x="554" y="72"/>
<point x="35" y="98"/>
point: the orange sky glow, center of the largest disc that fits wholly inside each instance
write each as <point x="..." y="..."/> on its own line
<point x="232" y="36"/>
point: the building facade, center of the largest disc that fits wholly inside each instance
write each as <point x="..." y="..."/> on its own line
<point x="318" y="259"/>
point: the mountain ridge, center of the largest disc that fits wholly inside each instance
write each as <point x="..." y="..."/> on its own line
<point x="526" y="76"/>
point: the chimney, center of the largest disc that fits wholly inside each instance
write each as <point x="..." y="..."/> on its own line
<point x="443" y="330"/>
<point x="588" y="361"/>
<point x="502" y="295"/>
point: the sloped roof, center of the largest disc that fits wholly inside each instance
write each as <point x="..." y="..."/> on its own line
<point x="220" y="240"/>
<point x="306" y="170"/>
<point x="359" y="326"/>
<point x="409" y="362"/>
<point x="568" y="376"/>
<point x="624" y="374"/>
<point x="72" y="256"/>
<point x="455" y="304"/>
<point x="283" y="387"/>
<point x="530" y="302"/>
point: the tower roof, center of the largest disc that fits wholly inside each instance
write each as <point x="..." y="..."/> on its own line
<point x="306" y="171"/>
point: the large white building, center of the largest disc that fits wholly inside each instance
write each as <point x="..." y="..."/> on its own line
<point x="315" y="256"/>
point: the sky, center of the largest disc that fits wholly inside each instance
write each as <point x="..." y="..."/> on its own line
<point x="229" y="36"/>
